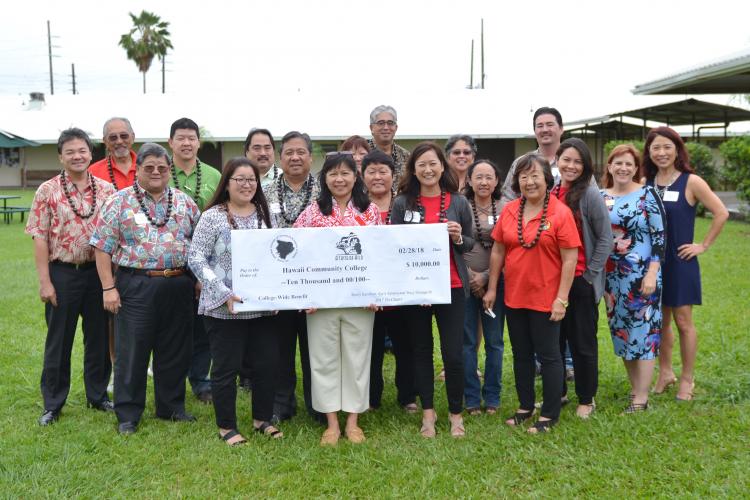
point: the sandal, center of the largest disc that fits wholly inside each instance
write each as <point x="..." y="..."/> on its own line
<point x="330" y="437"/>
<point x="585" y="411"/>
<point x="689" y="396"/>
<point x="635" y="407"/>
<point x="663" y="388"/>
<point x="355" y="435"/>
<point x="229" y="435"/>
<point x="457" y="428"/>
<point x="428" y="428"/>
<point x="268" y="429"/>
<point x="491" y="410"/>
<point x="474" y="411"/>
<point x="411" y="408"/>
<point x="520" y="417"/>
<point x="541" y="426"/>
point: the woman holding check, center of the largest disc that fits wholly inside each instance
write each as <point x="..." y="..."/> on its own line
<point x="340" y="339"/>
<point x="428" y="196"/>
<point x="536" y="245"/>
<point x="239" y="203"/>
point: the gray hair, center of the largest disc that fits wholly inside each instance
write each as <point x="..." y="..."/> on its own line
<point x="150" y="149"/>
<point x="297" y="135"/>
<point x="115" y="119"/>
<point x="383" y="108"/>
<point x="460" y="137"/>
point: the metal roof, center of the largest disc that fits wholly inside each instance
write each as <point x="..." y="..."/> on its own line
<point x="8" y="140"/>
<point x="728" y="75"/>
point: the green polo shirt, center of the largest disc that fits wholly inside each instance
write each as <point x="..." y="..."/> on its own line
<point x="209" y="180"/>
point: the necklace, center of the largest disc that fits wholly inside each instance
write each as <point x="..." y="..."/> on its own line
<point x="153" y="221"/>
<point x="442" y="216"/>
<point x="111" y="173"/>
<point x="280" y="193"/>
<point x="197" y="179"/>
<point x="64" y="183"/>
<point x="233" y="223"/>
<point x="663" y="189"/>
<point x="542" y="222"/>
<point x="485" y="245"/>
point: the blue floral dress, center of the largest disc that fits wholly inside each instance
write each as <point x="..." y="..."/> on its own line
<point x="638" y="228"/>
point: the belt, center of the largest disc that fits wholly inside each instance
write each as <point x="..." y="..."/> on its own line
<point x="154" y="273"/>
<point x="78" y="267"/>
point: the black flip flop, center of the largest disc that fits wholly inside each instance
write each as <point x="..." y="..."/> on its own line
<point x="229" y="435"/>
<point x="273" y="434"/>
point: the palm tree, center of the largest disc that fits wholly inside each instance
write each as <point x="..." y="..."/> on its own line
<point x="147" y="39"/>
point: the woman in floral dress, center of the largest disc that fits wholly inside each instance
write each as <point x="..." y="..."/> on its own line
<point x="633" y="286"/>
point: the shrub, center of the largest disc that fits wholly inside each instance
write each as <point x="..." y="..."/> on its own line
<point x="736" y="153"/>
<point x="702" y="160"/>
<point x="609" y="146"/>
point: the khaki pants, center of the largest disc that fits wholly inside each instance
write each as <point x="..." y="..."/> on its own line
<point x="340" y="343"/>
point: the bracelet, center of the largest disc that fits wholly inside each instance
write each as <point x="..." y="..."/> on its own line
<point x="460" y="240"/>
<point x="563" y="302"/>
<point x="108" y="289"/>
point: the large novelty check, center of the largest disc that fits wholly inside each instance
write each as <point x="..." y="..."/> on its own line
<point x="341" y="266"/>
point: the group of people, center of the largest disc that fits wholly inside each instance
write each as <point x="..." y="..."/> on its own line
<point x="139" y="246"/>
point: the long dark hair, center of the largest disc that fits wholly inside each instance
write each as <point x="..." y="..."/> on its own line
<point x="681" y="163"/>
<point x="221" y="195"/>
<point x="410" y="186"/>
<point x="469" y="191"/>
<point x="577" y="187"/>
<point x="359" y="193"/>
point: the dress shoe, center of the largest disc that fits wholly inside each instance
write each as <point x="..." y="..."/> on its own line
<point x="205" y="397"/>
<point x="182" y="416"/>
<point x="105" y="405"/>
<point x="126" y="428"/>
<point x="246" y="384"/>
<point x="48" y="417"/>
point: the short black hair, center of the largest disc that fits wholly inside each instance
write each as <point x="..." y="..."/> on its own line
<point x="253" y="132"/>
<point x="377" y="156"/>
<point x="73" y="133"/>
<point x="297" y="135"/>
<point x="544" y="110"/>
<point x="526" y="162"/>
<point x="184" y="123"/>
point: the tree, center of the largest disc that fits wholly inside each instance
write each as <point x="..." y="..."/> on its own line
<point x="147" y="39"/>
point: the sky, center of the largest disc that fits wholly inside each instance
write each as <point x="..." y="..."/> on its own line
<point x="536" y="49"/>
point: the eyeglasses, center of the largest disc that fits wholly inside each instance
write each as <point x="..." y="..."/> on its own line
<point x="149" y="169"/>
<point x="244" y="181"/>
<point x="113" y="137"/>
<point x="465" y="152"/>
<point x="339" y="153"/>
<point x="383" y="123"/>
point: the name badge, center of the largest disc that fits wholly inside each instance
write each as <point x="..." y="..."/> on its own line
<point x="609" y="202"/>
<point x="140" y="219"/>
<point x="410" y="216"/>
<point x="671" y="195"/>
<point x="275" y="208"/>
<point x="491" y="220"/>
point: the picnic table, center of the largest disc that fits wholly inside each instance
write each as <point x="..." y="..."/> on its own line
<point x="9" y="211"/>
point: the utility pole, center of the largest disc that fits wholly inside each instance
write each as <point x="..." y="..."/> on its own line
<point x="163" y="75"/>
<point x="471" y="71"/>
<point x="482" y="53"/>
<point x="73" y="74"/>
<point x="49" y="49"/>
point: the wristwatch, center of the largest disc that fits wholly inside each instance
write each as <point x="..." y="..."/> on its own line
<point x="563" y="302"/>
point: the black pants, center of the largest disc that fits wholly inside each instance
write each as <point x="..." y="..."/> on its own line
<point x="578" y="328"/>
<point x="79" y="293"/>
<point x="200" y="364"/>
<point x="156" y="315"/>
<point x="230" y="340"/>
<point x="532" y="332"/>
<point x="450" y="322"/>
<point x="390" y="323"/>
<point x="291" y="325"/>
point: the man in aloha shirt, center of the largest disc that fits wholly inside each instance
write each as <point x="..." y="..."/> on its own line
<point x="383" y="126"/>
<point x="61" y="221"/>
<point x="146" y="230"/>
<point x="289" y="194"/>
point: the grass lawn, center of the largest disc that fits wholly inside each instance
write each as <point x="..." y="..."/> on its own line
<point x="696" y="449"/>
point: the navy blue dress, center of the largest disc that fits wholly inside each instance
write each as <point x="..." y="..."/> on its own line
<point x="681" y="278"/>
